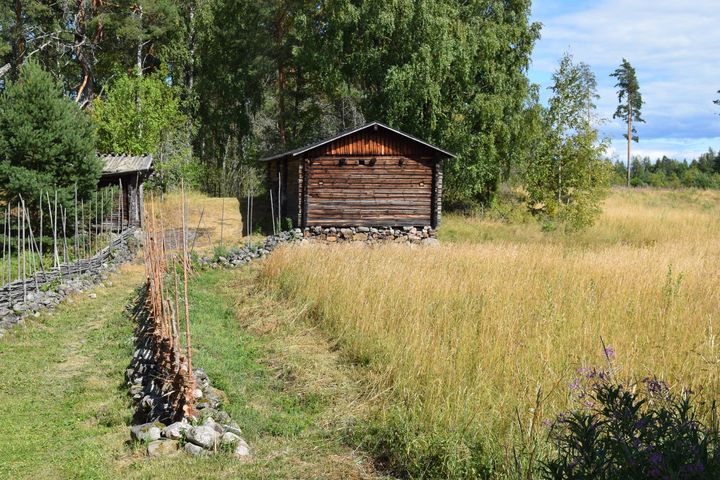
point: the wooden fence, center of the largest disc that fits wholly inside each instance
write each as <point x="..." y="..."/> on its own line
<point x="17" y="291"/>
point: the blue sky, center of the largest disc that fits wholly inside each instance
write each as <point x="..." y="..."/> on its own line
<point x="674" y="46"/>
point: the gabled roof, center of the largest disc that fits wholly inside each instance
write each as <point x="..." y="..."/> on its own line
<point x="312" y="146"/>
<point x="116" y="164"/>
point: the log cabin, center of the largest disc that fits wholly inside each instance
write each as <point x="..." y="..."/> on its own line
<point x="128" y="172"/>
<point x="370" y="176"/>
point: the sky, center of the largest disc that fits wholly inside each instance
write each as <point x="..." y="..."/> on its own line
<point x="674" y="46"/>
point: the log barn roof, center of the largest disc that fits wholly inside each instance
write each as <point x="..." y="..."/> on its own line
<point x="373" y="125"/>
<point x="114" y="164"/>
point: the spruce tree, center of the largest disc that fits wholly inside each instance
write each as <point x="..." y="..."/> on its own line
<point x="46" y="142"/>
<point x="630" y="104"/>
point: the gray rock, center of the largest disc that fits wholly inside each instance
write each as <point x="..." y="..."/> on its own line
<point x="162" y="447"/>
<point x="92" y="295"/>
<point x="176" y="430"/>
<point x="210" y="422"/>
<point x="214" y="397"/>
<point x="195" y="450"/>
<point x="233" y="428"/>
<point x="19" y="307"/>
<point x="218" y="416"/>
<point x="430" y="242"/>
<point x="204" y="436"/>
<point x="147" y="432"/>
<point x="363" y="229"/>
<point x="230" y="438"/>
<point x="242" y="449"/>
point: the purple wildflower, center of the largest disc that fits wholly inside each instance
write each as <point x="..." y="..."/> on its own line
<point x="610" y="352"/>
<point x="575" y="385"/>
<point x="655" y="386"/>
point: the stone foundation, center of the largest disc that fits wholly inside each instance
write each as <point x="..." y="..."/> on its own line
<point x="418" y="235"/>
<point x="238" y="256"/>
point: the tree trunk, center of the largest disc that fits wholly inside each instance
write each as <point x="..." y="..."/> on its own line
<point x="190" y="72"/>
<point x="19" y="38"/>
<point x="138" y="53"/>
<point x="629" y="139"/>
<point x="280" y="20"/>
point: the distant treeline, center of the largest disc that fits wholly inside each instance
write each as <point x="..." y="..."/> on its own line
<point x="702" y="172"/>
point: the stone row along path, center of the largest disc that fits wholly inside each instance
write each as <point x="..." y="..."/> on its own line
<point x="65" y="409"/>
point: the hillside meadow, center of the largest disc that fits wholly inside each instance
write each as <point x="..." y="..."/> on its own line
<point x="471" y="346"/>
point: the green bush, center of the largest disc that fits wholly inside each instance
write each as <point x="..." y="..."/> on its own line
<point x="631" y="431"/>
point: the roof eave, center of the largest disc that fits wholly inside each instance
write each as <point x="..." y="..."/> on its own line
<point x="301" y="150"/>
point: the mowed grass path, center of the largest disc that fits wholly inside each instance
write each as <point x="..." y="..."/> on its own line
<point x="64" y="410"/>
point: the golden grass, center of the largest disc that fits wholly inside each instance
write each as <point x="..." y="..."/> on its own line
<point x="464" y="335"/>
<point x="212" y="210"/>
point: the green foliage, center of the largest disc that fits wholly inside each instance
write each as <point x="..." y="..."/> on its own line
<point x="635" y="432"/>
<point x="46" y="142"/>
<point x="629" y="96"/>
<point x="702" y="172"/>
<point x="452" y="73"/>
<point x="567" y="176"/>
<point x="142" y="114"/>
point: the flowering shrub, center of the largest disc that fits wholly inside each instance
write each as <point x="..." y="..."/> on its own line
<point x="638" y="431"/>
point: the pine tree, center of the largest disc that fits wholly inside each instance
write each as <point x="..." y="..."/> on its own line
<point x="46" y="141"/>
<point x="630" y="104"/>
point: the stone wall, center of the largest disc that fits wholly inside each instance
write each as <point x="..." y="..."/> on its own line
<point x="207" y="432"/>
<point x="22" y="299"/>
<point x="418" y="235"/>
<point x="238" y="256"/>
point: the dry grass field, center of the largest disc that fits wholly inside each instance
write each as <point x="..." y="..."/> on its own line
<point x="210" y="216"/>
<point x="472" y="345"/>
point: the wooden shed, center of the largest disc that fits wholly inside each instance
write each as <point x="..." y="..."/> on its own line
<point x="128" y="172"/>
<point x="370" y="176"/>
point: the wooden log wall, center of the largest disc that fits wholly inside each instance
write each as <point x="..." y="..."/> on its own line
<point x="371" y="178"/>
<point x="369" y="191"/>
<point x="374" y="177"/>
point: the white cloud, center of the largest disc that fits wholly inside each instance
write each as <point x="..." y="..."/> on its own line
<point x="675" y="49"/>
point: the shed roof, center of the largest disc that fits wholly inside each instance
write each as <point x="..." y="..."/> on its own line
<point x="375" y="125"/>
<point x="115" y="164"/>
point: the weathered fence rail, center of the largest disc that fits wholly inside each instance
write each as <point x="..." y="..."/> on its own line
<point x="17" y="291"/>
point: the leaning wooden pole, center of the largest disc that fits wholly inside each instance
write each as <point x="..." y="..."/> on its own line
<point x="24" y="271"/>
<point x="75" y="231"/>
<point x="17" y="254"/>
<point x="2" y="264"/>
<point x="40" y="238"/>
<point x="9" y="257"/>
<point x="185" y="281"/>
<point x="55" y="229"/>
